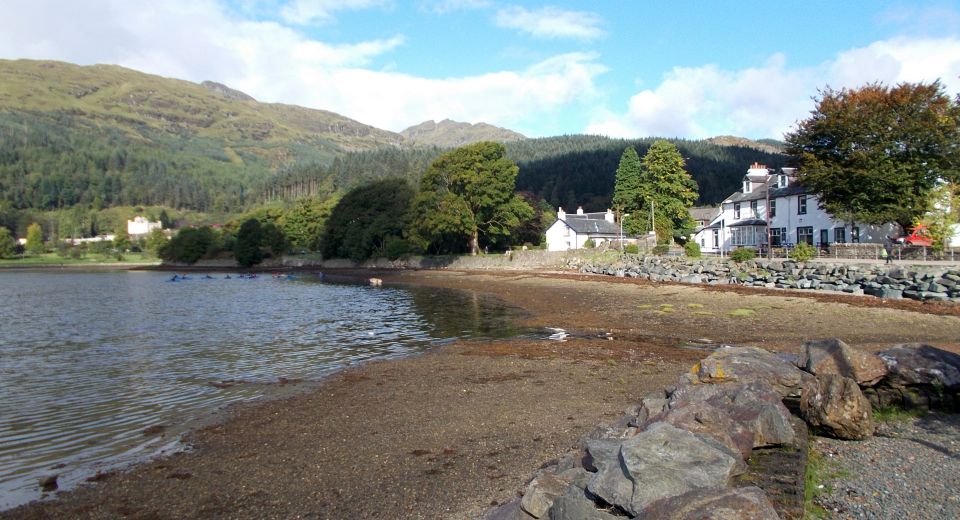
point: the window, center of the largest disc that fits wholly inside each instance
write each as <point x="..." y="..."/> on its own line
<point x="703" y="242"/>
<point x="840" y="235"/>
<point x="805" y="235"/>
<point x="716" y="238"/>
<point x="736" y="210"/>
<point x="776" y="237"/>
<point x="855" y="235"/>
<point x="743" y="236"/>
<point x="773" y="208"/>
<point x="746" y="186"/>
<point x="753" y="208"/>
<point x="824" y="237"/>
<point x="781" y="181"/>
<point x="802" y="205"/>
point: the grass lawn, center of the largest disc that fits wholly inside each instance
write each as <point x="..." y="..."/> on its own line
<point x="89" y="259"/>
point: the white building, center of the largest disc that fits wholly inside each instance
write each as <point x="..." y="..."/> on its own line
<point x="142" y="226"/>
<point x="795" y="216"/>
<point x="573" y="230"/>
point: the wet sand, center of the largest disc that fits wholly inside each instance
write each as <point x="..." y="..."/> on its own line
<point x="450" y="433"/>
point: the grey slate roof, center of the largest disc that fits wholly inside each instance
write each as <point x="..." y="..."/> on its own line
<point x="706" y="213"/>
<point x="750" y="222"/>
<point x="592" y="226"/>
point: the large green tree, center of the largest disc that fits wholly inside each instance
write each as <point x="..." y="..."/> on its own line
<point x="874" y="154"/>
<point x="667" y="187"/>
<point x="629" y="192"/>
<point x="247" y="247"/>
<point x="303" y="224"/>
<point x="7" y="243"/>
<point x="361" y="224"/>
<point x="35" y="238"/>
<point x="469" y="193"/>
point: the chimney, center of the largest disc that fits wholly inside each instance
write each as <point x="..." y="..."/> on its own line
<point x="561" y="214"/>
<point x="609" y="216"/>
<point x="579" y="210"/>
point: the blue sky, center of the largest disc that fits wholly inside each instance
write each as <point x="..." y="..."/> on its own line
<point x="678" y="68"/>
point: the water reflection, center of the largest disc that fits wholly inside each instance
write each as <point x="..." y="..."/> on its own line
<point x="89" y="361"/>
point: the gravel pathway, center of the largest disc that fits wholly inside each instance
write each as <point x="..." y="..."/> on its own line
<point x="909" y="470"/>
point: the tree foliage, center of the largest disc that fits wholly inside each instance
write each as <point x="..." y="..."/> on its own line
<point x="246" y="249"/>
<point x="35" y="239"/>
<point x="189" y="245"/>
<point x="366" y="218"/>
<point x="628" y="190"/>
<point x="7" y="243"/>
<point x="665" y="185"/>
<point x="875" y="153"/>
<point x="469" y="193"/>
<point x="304" y="223"/>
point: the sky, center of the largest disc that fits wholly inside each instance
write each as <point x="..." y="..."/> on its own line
<point x="641" y="68"/>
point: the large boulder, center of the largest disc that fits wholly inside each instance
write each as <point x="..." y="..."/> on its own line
<point x="756" y="405"/>
<point x="835" y="405"/>
<point x="919" y="376"/>
<point x="916" y="363"/>
<point x="661" y="462"/>
<point x="747" y="364"/>
<point x="832" y="356"/>
<point x="541" y="493"/>
<point x="569" y="507"/>
<point x="706" y="419"/>
<point x="746" y="503"/>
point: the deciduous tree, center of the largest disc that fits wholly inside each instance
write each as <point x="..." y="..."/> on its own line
<point x="666" y="185"/>
<point x="247" y="247"/>
<point x="361" y="224"/>
<point x="874" y="154"/>
<point x="469" y="193"/>
<point x="7" y="243"/>
<point x="35" y="239"/>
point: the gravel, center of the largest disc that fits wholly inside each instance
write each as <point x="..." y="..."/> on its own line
<point x="909" y="470"/>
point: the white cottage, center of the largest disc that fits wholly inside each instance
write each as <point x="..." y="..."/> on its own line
<point x="571" y="231"/>
<point x="795" y="216"/>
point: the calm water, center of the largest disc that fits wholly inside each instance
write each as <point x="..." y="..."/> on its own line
<point x="89" y="361"/>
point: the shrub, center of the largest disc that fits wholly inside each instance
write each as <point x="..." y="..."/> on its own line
<point x="396" y="248"/>
<point x="692" y="249"/>
<point x="803" y="252"/>
<point x="661" y="249"/>
<point x="589" y="244"/>
<point x="632" y="249"/>
<point x="742" y="254"/>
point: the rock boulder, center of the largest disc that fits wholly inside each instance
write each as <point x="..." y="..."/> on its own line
<point x="832" y="356"/>
<point x="836" y="405"/>
<point x="746" y="503"/>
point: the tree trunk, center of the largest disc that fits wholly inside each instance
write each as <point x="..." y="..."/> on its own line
<point x="475" y="243"/>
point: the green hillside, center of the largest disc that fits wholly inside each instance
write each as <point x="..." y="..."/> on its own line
<point x="105" y="135"/>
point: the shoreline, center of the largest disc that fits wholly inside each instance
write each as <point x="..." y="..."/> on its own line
<point x="448" y="433"/>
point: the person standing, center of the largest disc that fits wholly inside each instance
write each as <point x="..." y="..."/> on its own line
<point x="888" y="249"/>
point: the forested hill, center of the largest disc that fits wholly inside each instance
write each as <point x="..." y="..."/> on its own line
<point x="579" y="170"/>
<point x="108" y="135"/>
<point x="102" y="136"/>
<point x="568" y="171"/>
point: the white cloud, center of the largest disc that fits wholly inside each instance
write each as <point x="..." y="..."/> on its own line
<point x="551" y="22"/>
<point x="767" y="101"/>
<point x="450" y="6"/>
<point x="305" y="12"/>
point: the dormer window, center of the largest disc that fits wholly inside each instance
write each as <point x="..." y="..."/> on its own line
<point x="747" y="185"/>
<point x="781" y="181"/>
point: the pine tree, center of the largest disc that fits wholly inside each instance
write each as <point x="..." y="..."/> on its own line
<point x="628" y="191"/>
<point x="671" y="190"/>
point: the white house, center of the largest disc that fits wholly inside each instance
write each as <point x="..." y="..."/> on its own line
<point x="142" y="226"/>
<point x="795" y="216"/>
<point x="573" y="230"/>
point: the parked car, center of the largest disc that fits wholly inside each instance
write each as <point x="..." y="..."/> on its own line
<point x="919" y="236"/>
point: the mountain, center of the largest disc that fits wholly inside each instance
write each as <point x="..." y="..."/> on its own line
<point x="140" y="104"/>
<point x="764" y="145"/>
<point x="451" y="134"/>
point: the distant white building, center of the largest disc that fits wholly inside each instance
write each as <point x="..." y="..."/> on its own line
<point x="795" y="216"/>
<point x="142" y="226"/>
<point x="571" y="231"/>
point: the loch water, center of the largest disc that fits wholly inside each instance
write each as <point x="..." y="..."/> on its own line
<point x="97" y="369"/>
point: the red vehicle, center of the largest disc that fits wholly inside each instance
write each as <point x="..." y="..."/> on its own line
<point x="918" y="237"/>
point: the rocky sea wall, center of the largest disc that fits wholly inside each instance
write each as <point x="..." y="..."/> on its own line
<point x="936" y="283"/>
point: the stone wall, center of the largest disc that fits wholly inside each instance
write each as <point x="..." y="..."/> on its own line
<point x="939" y="283"/>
